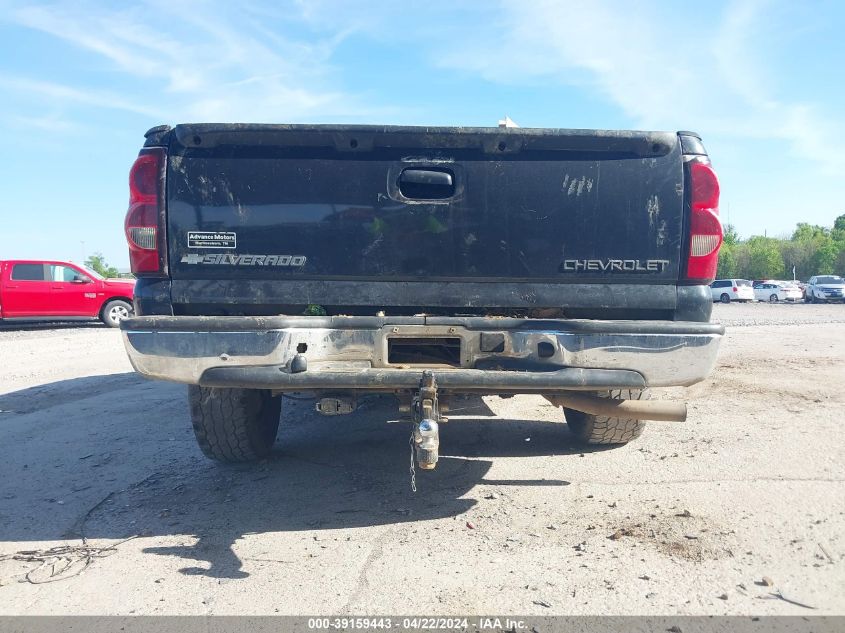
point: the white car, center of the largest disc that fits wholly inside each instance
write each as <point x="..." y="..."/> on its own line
<point x="773" y="291"/>
<point x="825" y="288"/>
<point x="727" y="290"/>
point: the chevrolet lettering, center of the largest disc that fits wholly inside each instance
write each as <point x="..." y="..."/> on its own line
<point x="617" y="265"/>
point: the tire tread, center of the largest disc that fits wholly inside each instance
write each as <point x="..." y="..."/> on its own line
<point x="600" y="429"/>
<point x="234" y="425"/>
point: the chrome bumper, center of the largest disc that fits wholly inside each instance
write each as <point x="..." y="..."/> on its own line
<point x="496" y="354"/>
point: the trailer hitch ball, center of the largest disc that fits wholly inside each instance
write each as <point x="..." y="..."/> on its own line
<point x="427" y="439"/>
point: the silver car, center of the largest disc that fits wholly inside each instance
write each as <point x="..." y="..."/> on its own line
<point x="825" y="288"/>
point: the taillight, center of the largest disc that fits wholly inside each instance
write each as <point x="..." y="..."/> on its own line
<point x="143" y="224"/>
<point x="705" y="227"/>
<point x="736" y="289"/>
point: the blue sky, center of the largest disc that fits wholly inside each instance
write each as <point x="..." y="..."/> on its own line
<point x="762" y="81"/>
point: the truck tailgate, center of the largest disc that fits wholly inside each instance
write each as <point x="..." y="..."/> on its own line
<point x="276" y="216"/>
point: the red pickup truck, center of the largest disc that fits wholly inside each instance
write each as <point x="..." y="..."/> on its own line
<point x="41" y="290"/>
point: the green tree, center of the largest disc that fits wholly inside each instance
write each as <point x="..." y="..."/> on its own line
<point x="825" y="257"/>
<point x="818" y="247"/>
<point x="97" y="263"/>
<point x="839" y="266"/>
<point x="838" y="232"/>
<point x="731" y="236"/>
<point x="798" y="254"/>
<point x="764" y="258"/>
<point x="728" y="264"/>
<point x="804" y="231"/>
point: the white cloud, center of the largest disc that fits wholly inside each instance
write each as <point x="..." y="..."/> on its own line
<point x="199" y="61"/>
<point x="214" y="61"/>
<point x="60" y="93"/>
<point x="97" y="34"/>
<point x="52" y="124"/>
<point x="664" y="70"/>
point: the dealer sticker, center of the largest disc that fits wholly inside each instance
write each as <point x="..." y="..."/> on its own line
<point x="212" y="239"/>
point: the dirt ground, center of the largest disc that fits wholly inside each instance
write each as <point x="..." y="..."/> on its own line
<point x="108" y="507"/>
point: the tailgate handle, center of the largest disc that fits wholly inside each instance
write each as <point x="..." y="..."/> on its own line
<point x="427" y="184"/>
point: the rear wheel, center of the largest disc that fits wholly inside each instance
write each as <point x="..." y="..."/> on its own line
<point x="725" y="298"/>
<point x="773" y="299"/>
<point x="234" y="425"/>
<point x="600" y="429"/>
<point x="115" y="311"/>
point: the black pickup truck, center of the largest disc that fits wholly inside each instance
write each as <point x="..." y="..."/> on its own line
<point x="426" y="262"/>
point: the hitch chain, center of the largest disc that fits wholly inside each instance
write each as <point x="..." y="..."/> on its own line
<point x="413" y="470"/>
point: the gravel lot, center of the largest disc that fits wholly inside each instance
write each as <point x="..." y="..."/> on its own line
<point x="107" y="506"/>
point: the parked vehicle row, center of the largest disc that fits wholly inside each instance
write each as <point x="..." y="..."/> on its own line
<point x="33" y="290"/>
<point x="821" y="288"/>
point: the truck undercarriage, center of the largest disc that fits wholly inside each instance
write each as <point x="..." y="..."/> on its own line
<point x="426" y="360"/>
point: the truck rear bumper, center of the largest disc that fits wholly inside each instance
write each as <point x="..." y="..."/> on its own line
<point x="487" y="354"/>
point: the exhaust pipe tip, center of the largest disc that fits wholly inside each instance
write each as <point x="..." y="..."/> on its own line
<point x="651" y="410"/>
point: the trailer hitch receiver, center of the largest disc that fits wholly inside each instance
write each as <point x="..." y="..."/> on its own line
<point x="426" y="414"/>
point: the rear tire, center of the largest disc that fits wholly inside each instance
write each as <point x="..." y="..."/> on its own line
<point x="115" y="311"/>
<point x="773" y="299"/>
<point x="234" y="425"/>
<point x="599" y="429"/>
<point x="725" y="298"/>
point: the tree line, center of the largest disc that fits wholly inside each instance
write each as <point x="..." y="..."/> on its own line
<point x="98" y="264"/>
<point x="812" y="250"/>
